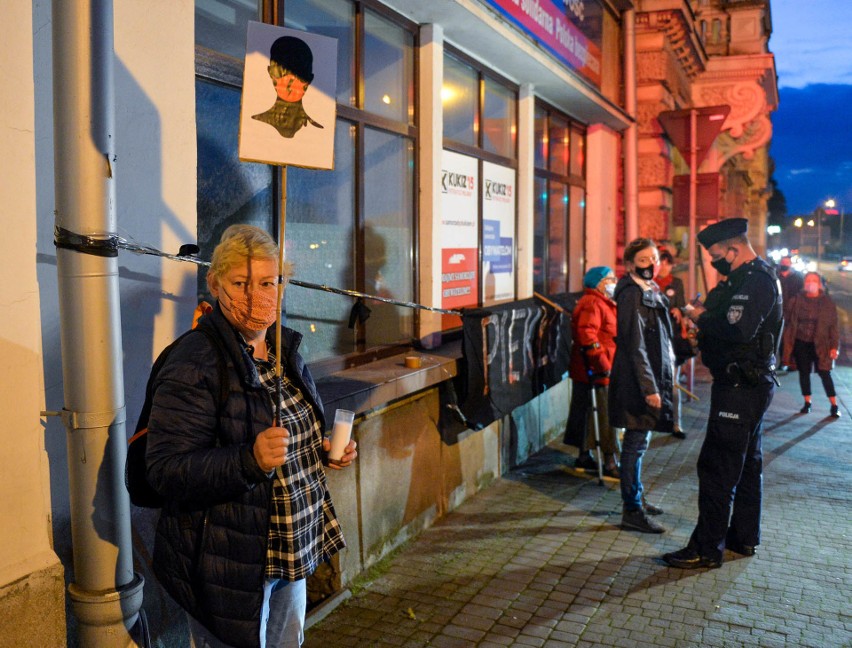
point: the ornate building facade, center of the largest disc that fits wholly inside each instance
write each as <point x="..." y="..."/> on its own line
<point x="700" y="54"/>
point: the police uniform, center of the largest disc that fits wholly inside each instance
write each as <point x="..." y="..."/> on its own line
<point x="738" y="338"/>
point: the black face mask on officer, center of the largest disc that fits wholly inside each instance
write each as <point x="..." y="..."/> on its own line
<point x="722" y="265"/>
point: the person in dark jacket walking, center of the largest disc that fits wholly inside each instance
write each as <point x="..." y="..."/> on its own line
<point x="812" y="339"/>
<point x="592" y="351"/>
<point x="738" y="331"/>
<point x="247" y="515"/>
<point x="641" y="383"/>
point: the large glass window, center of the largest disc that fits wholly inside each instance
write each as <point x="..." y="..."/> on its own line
<point x="560" y="197"/>
<point x="351" y="227"/>
<point x="388" y="69"/>
<point x="460" y="97"/>
<point x="480" y="190"/>
<point x="365" y="207"/>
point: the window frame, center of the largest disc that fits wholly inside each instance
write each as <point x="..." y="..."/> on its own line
<point x="570" y="181"/>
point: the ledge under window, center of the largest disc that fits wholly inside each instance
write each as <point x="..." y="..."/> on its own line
<point x="374" y="385"/>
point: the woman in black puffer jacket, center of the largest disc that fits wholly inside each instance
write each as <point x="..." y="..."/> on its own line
<point x="247" y="515"/>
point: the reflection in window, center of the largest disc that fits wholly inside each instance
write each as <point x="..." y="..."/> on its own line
<point x="334" y="18"/>
<point x="499" y="119"/>
<point x="229" y="191"/>
<point x="320" y="242"/>
<point x="388" y="69"/>
<point x="221" y="25"/>
<point x="388" y="235"/>
<point x="560" y="141"/>
<point x="557" y="238"/>
<point x="542" y="140"/>
<point x="460" y="97"/>
<point x="539" y="234"/>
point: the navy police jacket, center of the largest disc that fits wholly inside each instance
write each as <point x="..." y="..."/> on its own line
<point x="742" y="324"/>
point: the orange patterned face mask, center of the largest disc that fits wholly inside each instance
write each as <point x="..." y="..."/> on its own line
<point x="255" y="312"/>
<point x="290" y="88"/>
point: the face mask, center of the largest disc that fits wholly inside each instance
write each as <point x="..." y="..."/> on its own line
<point x="254" y="312"/>
<point x="609" y="290"/>
<point x="290" y="87"/>
<point x="646" y="273"/>
<point x="723" y="266"/>
<point x="812" y="288"/>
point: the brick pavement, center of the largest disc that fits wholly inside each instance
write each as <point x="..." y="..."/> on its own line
<point x="538" y="559"/>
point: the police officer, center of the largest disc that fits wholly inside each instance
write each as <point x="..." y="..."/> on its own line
<point x="738" y="331"/>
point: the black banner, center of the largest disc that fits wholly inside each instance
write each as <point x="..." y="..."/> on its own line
<point x="512" y="353"/>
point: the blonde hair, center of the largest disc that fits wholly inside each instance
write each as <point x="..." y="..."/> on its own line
<point x="240" y="242"/>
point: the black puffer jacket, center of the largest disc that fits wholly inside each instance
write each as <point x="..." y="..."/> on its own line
<point x="210" y="546"/>
<point x="643" y="363"/>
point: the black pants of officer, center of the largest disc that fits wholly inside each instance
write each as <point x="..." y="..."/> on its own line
<point x="730" y="469"/>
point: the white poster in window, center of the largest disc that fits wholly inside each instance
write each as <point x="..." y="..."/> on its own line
<point x="288" y="102"/>
<point x="498" y="233"/>
<point x="459" y="233"/>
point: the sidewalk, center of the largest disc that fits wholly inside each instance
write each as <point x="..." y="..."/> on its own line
<point x="538" y="558"/>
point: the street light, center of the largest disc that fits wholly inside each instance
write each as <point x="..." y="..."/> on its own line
<point x="799" y="223"/>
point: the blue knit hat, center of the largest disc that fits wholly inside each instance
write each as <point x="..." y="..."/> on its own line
<point x="594" y="275"/>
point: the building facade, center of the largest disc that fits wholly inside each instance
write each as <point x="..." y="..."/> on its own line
<point x="484" y="151"/>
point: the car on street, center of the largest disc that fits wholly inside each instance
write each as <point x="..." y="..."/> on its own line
<point x="845" y="264"/>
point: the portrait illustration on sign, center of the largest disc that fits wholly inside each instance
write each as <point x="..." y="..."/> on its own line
<point x="288" y="102"/>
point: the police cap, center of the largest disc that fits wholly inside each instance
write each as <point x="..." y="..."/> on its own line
<point x="722" y="231"/>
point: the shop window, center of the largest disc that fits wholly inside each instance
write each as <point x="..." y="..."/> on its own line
<point x="228" y="191"/>
<point x="460" y="99"/>
<point x="335" y="19"/>
<point x="478" y="222"/>
<point x="560" y="196"/>
<point x="351" y="227"/>
<point x="388" y="69"/>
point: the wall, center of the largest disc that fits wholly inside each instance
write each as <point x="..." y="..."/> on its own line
<point x="31" y="587"/>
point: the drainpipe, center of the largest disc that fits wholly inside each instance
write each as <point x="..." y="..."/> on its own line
<point x="631" y="135"/>
<point x="106" y="594"/>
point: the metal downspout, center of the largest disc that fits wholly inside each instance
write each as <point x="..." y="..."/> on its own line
<point x="631" y="134"/>
<point x="106" y="594"/>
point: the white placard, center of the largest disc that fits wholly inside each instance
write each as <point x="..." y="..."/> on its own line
<point x="459" y="231"/>
<point x="288" y="103"/>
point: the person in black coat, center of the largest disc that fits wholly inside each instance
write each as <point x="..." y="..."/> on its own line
<point x="640" y="396"/>
<point x="247" y="515"/>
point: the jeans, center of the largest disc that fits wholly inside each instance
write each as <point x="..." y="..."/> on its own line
<point x="282" y="618"/>
<point x="632" y="450"/>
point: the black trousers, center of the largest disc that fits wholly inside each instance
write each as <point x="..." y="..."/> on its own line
<point x="805" y="356"/>
<point x="730" y="469"/>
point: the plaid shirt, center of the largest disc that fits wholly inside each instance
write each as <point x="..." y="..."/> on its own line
<point x="303" y="528"/>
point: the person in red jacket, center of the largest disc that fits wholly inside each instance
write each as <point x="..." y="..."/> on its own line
<point x="593" y="333"/>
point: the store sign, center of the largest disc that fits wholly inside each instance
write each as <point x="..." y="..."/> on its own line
<point x="459" y="233"/>
<point x="570" y="29"/>
<point x="498" y="233"/>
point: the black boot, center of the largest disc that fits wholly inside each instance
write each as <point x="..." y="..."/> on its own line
<point x="835" y="411"/>
<point x="806" y="408"/>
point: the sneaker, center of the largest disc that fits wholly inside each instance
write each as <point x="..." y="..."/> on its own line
<point x="650" y="509"/>
<point x="638" y="521"/>
<point x="689" y="558"/>
<point x="835" y="411"/>
<point x="585" y="462"/>
<point x="806" y="408"/>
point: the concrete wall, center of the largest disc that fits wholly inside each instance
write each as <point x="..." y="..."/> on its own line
<point x="31" y="586"/>
<point x="407" y="477"/>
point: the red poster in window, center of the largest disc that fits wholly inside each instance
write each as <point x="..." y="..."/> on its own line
<point x="459" y="281"/>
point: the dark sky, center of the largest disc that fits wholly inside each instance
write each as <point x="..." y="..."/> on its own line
<point x="812" y="146"/>
<point x="812" y="129"/>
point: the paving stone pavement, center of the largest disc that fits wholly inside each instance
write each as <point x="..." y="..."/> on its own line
<point x="538" y="558"/>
